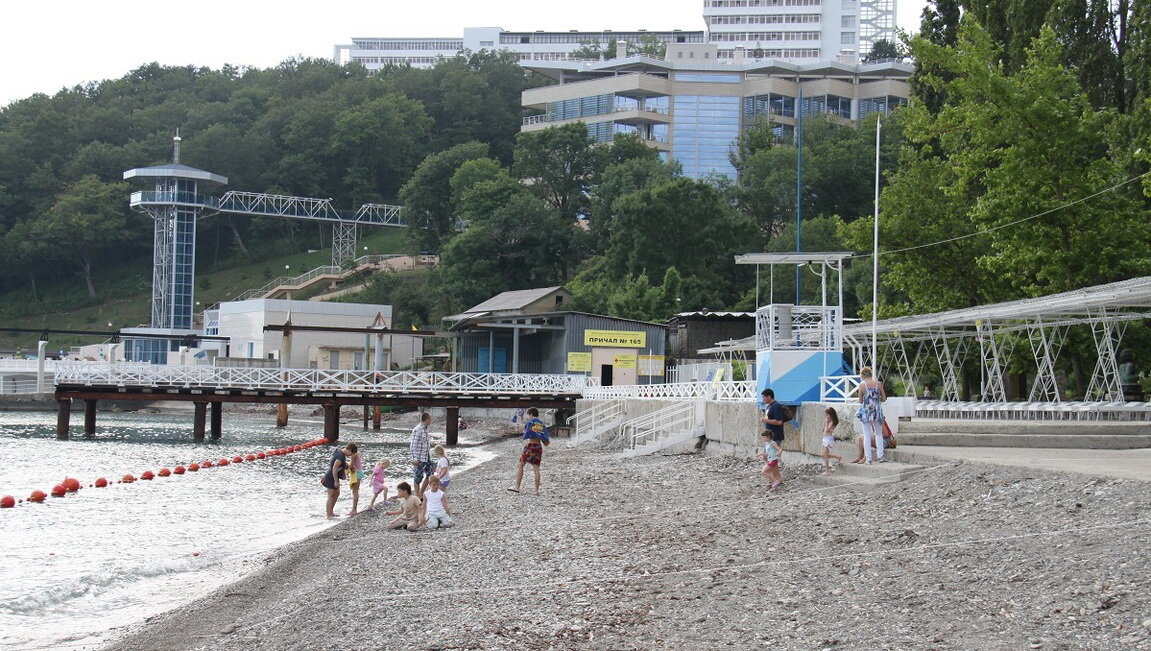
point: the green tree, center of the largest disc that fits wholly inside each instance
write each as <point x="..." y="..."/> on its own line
<point x="87" y="221"/>
<point x="382" y="141"/>
<point x="560" y="165"/>
<point x="883" y="49"/>
<point x="427" y="196"/>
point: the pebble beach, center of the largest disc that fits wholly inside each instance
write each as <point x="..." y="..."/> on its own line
<point x="694" y="551"/>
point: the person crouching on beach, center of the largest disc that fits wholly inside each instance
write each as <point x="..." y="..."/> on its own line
<point x="770" y="456"/>
<point x="830" y="422"/>
<point x="535" y="438"/>
<point x="410" y="511"/>
<point x="437" y="513"/>
<point x="331" y="479"/>
<point x="443" y="468"/>
<point x="379" y="481"/>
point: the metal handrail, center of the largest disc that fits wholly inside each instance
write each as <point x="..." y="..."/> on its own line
<point x="649" y="427"/>
<point x="593" y="417"/>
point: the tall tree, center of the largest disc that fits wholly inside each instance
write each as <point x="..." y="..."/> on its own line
<point x="427" y="196"/>
<point x="560" y="164"/>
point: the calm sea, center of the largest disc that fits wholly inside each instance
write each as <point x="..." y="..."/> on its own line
<point x="74" y="570"/>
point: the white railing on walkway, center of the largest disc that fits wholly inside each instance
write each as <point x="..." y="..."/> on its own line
<point x="25" y="365"/>
<point x="595" y="417"/>
<point x="722" y="391"/>
<point x="21" y="386"/>
<point x="1038" y="411"/>
<point x="316" y="380"/>
<point x="839" y="388"/>
<point x="651" y="427"/>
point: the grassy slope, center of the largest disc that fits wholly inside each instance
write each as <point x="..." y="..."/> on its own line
<point x="128" y="292"/>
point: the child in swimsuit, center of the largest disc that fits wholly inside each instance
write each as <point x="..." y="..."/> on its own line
<point x="830" y="422"/>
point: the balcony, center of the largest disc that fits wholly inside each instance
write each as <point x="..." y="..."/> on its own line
<point x="623" y="112"/>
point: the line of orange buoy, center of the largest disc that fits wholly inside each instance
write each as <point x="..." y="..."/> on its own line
<point x="71" y="485"/>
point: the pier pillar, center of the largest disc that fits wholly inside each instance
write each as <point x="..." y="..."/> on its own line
<point x="63" y="416"/>
<point x="282" y="414"/>
<point x="332" y="422"/>
<point x="377" y="416"/>
<point x="217" y="419"/>
<point x="198" y="416"/>
<point x="367" y="410"/>
<point x="452" y="426"/>
<point x="89" y="417"/>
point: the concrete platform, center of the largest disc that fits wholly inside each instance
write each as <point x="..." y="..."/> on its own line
<point x="1094" y="435"/>
<point x="1122" y="464"/>
<point x="866" y="478"/>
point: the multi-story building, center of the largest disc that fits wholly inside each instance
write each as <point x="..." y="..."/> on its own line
<point x="799" y="31"/>
<point x="375" y="53"/>
<point x="692" y="105"/>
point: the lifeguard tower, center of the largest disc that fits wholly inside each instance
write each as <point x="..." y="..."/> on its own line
<point x="796" y="346"/>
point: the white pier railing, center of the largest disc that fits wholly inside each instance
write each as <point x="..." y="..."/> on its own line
<point x="739" y="391"/>
<point x="315" y="380"/>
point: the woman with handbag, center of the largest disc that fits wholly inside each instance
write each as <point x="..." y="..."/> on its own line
<point x="870" y="413"/>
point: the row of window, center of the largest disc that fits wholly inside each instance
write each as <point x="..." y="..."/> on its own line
<point x="415" y="61"/>
<point x="773" y="53"/>
<point x="761" y="3"/>
<point x="451" y="45"/>
<point x="513" y="38"/>
<point x="765" y="36"/>
<point x="765" y="19"/>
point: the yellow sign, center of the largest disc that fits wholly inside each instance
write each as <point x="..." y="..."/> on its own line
<point x="624" y="361"/>
<point x="615" y="338"/>
<point x="651" y="365"/>
<point x="579" y="362"/>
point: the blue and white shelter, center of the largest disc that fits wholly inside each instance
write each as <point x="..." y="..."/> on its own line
<point x="796" y="346"/>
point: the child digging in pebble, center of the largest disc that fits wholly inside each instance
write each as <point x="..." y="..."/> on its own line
<point x="770" y="456"/>
<point x="437" y="513"/>
<point x="379" y="481"/>
<point x="830" y="422"/>
<point x="410" y="511"/>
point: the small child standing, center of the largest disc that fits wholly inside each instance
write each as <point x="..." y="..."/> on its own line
<point x="443" y="468"/>
<point x="830" y="422"/>
<point x="379" y="481"/>
<point x="410" y="511"/>
<point x="770" y="456"/>
<point x="437" y="513"/>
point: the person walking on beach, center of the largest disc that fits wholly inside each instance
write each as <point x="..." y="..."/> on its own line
<point x="379" y="481"/>
<point x="437" y="513"/>
<point x="774" y="416"/>
<point x="770" y="456"/>
<point x="355" y="475"/>
<point x="443" y="468"/>
<point x="409" y="511"/>
<point x="421" y="460"/>
<point x="535" y="438"/>
<point x="870" y="413"/>
<point x="830" y="422"/>
<point x="331" y="479"/>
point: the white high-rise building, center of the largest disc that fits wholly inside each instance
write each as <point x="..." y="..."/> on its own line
<point x="800" y="31"/>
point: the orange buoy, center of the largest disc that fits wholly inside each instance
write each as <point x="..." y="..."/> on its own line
<point x="237" y="459"/>
<point x="101" y="483"/>
<point x="251" y="457"/>
<point x="222" y="462"/>
<point x="206" y="464"/>
<point x="72" y="485"/>
<point x="261" y="455"/>
<point x="147" y="475"/>
<point x="58" y="490"/>
<point x="37" y="496"/>
<point x="164" y="472"/>
<point x="7" y="502"/>
<point x="179" y="470"/>
<point x="128" y="479"/>
<point x="194" y="467"/>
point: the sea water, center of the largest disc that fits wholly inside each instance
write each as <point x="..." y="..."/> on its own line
<point x="76" y="570"/>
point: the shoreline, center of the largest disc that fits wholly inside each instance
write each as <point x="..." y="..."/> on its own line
<point x="692" y="550"/>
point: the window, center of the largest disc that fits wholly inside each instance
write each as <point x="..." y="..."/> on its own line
<point x="847" y="38"/>
<point x="847" y="22"/>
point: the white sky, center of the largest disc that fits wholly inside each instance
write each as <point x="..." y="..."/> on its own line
<point x="46" y="46"/>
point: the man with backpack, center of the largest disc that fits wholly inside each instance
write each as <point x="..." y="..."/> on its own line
<point x="774" y="415"/>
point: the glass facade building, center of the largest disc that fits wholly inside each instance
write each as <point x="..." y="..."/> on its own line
<point x="693" y="106"/>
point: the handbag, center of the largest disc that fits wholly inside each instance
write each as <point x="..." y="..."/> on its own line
<point x="888" y="437"/>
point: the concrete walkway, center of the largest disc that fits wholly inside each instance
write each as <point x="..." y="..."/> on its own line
<point x="1123" y="464"/>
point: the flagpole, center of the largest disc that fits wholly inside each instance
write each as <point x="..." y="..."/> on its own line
<point x="875" y="259"/>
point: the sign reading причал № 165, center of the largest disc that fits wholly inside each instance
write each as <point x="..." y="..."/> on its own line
<point x="621" y="338"/>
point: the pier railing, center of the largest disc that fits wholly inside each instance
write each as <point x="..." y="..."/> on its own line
<point x="739" y="391"/>
<point x="316" y="380"/>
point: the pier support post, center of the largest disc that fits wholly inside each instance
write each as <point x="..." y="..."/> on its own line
<point x="63" y="416"/>
<point x="332" y="422"/>
<point x="282" y="414"/>
<point x="89" y="417"/>
<point x="377" y="416"/>
<point x="367" y="410"/>
<point x="200" y="410"/>
<point x="217" y="419"/>
<point x="452" y="426"/>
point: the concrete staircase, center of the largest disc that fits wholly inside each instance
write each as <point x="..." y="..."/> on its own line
<point x="1098" y="435"/>
<point x="865" y="478"/>
<point x="665" y="441"/>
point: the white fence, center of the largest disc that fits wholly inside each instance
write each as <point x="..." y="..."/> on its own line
<point x="290" y="379"/>
<point x="656" y="425"/>
<point x="1072" y="411"/>
<point x="721" y="391"/>
<point x="839" y="388"/>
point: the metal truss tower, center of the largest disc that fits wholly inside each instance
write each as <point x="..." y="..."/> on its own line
<point x="174" y="205"/>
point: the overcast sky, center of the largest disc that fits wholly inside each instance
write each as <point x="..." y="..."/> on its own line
<point x="46" y="46"/>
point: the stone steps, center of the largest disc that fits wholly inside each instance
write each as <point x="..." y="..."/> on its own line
<point x="1066" y="440"/>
